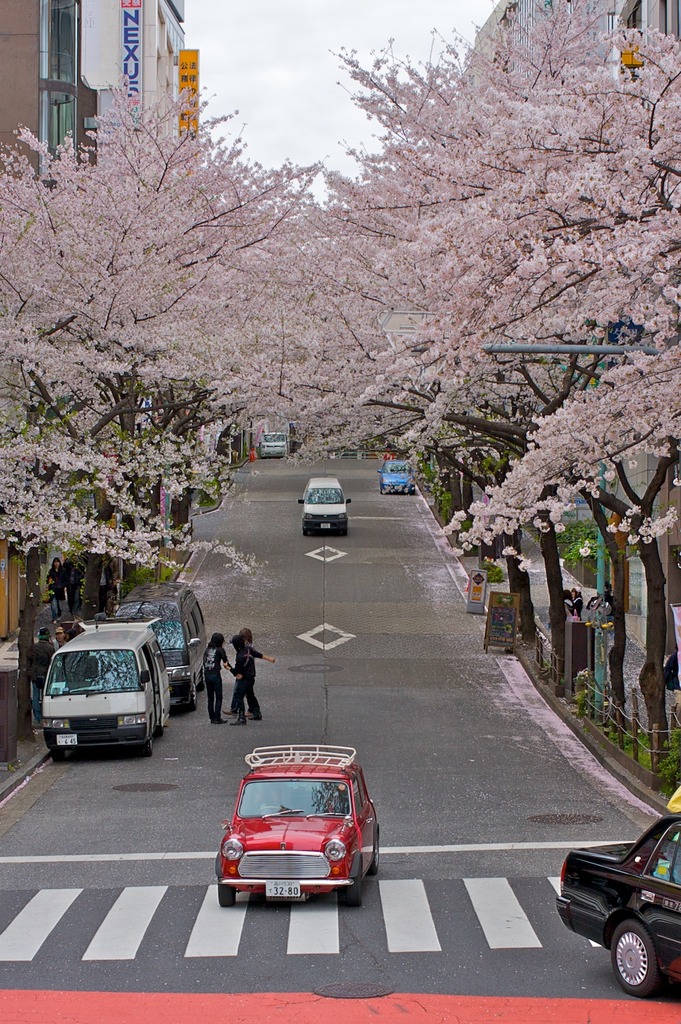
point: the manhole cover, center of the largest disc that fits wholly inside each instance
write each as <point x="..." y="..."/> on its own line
<point x="315" y="668"/>
<point x="361" y="990"/>
<point x="565" y="819"/>
<point x="145" y="787"/>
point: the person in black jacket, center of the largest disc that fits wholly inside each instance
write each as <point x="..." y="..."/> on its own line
<point x="214" y="657"/>
<point x="254" y="711"/>
<point x="56" y="587"/>
<point x="41" y="656"/>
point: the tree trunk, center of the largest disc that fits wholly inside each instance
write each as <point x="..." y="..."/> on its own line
<point x="25" y="644"/>
<point x="651" y="679"/>
<point x="467" y="493"/>
<point x="554" y="581"/>
<point x="519" y="583"/>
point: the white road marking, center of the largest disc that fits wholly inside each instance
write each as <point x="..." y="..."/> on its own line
<point x="325" y="554"/>
<point x="217" y="930"/>
<point x="106" y="858"/>
<point x="313" y="928"/>
<point x="555" y="882"/>
<point x="408" y="921"/>
<point x="310" y="638"/>
<point x="22" y="939"/>
<point x="122" y="930"/>
<point x="501" y="917"/>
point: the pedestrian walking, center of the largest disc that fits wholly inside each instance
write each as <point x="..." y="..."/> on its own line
<point x="577" y="602"/>
<point x="41" y="656"/>
<point x="74" y="582"/>
<point x="671" y="679"/>
<point x="569" y="607"/>
<point x="60" y="636"/>
<point x="214" y="657"/>
<point x="105" y="585"/>
<point x="56" y="584"/>
<point x="244" y="672"/>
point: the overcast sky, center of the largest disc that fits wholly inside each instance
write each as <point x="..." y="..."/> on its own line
<point x="271" y="60"/>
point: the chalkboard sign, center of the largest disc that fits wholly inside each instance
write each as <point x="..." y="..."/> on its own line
<point x="503" y="614"/>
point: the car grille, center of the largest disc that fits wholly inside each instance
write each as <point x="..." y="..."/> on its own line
<point x="85" y="725"/>
<point x="283" y="865"/>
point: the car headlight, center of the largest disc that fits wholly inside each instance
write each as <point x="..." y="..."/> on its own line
<point x="56" y="723"/>
<point x="132" y="719"/>
<point x="232" y="849"/>
<point x="335" y="849"/>
<point x="307" y="515"/>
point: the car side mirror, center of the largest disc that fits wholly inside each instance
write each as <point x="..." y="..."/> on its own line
<point x="145" y="677"/>
<point x="301" y="501"/>
<point x="194" y="641"/>
<point x="348" y="500"/>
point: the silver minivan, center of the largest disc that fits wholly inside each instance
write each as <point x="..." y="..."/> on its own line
<point x="324" y="506"/>
<point x="273" y="446"/>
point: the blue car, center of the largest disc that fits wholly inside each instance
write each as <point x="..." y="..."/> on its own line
<point x="396" y="477"/>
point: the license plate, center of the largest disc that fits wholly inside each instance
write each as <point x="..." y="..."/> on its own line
<point x="283" y="890"/>
<point x="67" y="740"/>
<point x="325" y="526"/>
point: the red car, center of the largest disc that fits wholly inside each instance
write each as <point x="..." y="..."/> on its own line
<point x="304" y="823"/>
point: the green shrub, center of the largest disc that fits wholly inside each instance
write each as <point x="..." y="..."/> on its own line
<point x="495" y="574"/>
<point x="140" y="574"/>
<point x="670" y="767"/>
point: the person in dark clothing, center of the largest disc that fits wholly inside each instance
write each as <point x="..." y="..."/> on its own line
<point x="577" y="602"/>
<point x="214" y="657"/>
<point x="41" y="656"/>
<point x="74" y="582"/>
<point x="609" y="602"/>
<point x="671" y="678"/>
<point x="56" y="587"/>
<point x="244" y="673"/>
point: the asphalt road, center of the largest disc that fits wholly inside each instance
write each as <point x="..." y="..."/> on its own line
<point x="480" y="790"/>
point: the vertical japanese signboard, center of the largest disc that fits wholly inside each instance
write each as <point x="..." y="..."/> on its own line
<point x="477" y="592"/>
<point x="189" y="84"/>
<point x="132" y="26"/>
<point x="503" y="614"/>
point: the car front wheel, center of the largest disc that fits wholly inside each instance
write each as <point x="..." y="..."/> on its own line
<point x="634" y="960"/>
<point x="373" y="867"/>
<point x="226" y="895"/>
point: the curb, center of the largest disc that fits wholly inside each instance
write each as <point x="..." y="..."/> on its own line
<point x="22" y="774"/>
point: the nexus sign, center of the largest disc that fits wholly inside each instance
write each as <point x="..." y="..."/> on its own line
<point x="131" y="38"/>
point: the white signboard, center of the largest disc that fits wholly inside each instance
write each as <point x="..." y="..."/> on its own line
<point x="132" y="32"/>
<point x="100" y="47"/>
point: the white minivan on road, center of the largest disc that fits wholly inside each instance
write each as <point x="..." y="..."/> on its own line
<point x="273" y="446"/>
<point x="324" y="505"/>
<point x="107" y="687"/>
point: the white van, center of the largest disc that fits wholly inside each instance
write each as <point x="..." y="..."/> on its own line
<point x="324" y="505"/>
<point x="107" y="687"/>
<point x="273" y="446"/>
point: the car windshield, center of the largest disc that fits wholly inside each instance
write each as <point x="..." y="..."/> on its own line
<point x="396" y="467"/>
<point x="324" y="797"/>
<point x="274" y="437"/>
<point x="98" y="671"/>
<point x="324" y="496"/>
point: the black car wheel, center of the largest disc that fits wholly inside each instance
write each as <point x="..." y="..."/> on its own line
<point x="352" y="894"/>
<point x="373" y="867"/>
<point x="226" y="895"/>
<point x="192" y="700"/>
<point x="201" y="685"/>
<point x="634" y="960"/>
<point x="57" y="754"/>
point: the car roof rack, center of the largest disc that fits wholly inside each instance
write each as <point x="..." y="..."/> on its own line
<point x="302" y="753"/>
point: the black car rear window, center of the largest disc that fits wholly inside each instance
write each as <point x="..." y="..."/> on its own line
<point x="149" y="610"/>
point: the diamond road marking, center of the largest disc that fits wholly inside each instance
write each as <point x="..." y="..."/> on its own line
<point x="310" y="637"/>
<point x="326" y="554"/>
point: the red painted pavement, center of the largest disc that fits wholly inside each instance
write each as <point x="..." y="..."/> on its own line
<point x="31" y="1007"/>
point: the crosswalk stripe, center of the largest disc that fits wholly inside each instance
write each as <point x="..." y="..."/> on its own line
<point x="122" y="930"/>
<point x="555" y="882"/>
<point x="313" y="928"/>
<point x="408" y="922"/>
<point x="501" y="917"/>
<point x="217" y="930"/>
<point x="22" y="939"/>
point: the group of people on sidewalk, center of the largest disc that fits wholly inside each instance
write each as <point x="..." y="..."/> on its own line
<point x="243" y="670"/>
<point x="44" y="648"/>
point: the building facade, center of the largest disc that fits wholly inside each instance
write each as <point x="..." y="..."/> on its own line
<point x="61" y="59"/>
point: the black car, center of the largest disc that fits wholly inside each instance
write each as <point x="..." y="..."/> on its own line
<point x="628" y="899"/>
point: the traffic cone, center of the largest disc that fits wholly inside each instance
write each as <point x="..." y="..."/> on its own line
<point x="251" y="455"/>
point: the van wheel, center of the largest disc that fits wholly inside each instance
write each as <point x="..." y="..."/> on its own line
<point x="57" y="754"/>
<point x="304" y="532"/>
<point x="201" y="684"/>
<point x="147" y="748"/>
<point x="158" y="731"/>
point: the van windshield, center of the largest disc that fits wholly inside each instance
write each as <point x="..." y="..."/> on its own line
<point x="98" y="671"/>
<point x="324" y="496"/>
<point x="274" y="437"/>
<point x="170" y="635"/>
